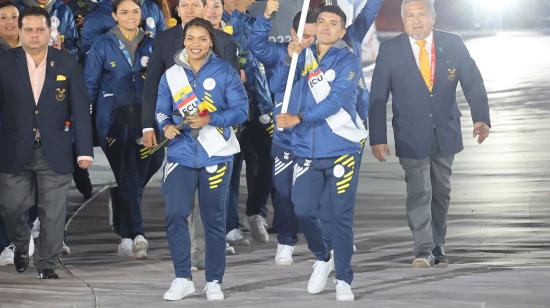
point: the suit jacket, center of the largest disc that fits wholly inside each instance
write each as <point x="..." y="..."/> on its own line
<point x="166" y="45"/>
<point x="417" y="113"/>
<point x="63" y="98"/>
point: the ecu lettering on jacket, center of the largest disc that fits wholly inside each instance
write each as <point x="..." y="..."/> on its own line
<point x="341" y="123"/>
<point x="219" y="88"/>
<point x="334" y="103"/>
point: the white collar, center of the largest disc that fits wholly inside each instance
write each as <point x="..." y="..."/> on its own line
<point x="428" y="40"/>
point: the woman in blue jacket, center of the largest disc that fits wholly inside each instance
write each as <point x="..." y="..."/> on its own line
<point x="99" y="22"/>
<point x="114" y="74"/>
<point x="206" y="94"/>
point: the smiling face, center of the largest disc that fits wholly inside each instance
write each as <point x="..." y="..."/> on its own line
<point x="190" y="9"/>
<point x="214" y="12"/>
<point x="8" y="21"/>
<point x="197" y="42"/>
<point x="128" y="15"/>
<point x="329" y="28"/>
<point x="34" y="33"/>
<point x="418" y="20"/>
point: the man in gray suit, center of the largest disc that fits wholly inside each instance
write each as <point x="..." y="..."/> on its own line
<point x="421" y="69"/>
<point x="43" y="107"/>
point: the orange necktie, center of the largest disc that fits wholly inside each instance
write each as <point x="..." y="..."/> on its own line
<point x="423" y="60"/>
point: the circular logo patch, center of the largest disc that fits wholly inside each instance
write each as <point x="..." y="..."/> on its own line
<point x="144" y="61"/>
<point x="265" y="119"/>
<point x="209" y="84"/>
<point x="55" y="22"/>
<point x="338" y="171"/>
<point x="330" y="75"/>
<point x="150" y="22"/>
<point x="211" y="169"/>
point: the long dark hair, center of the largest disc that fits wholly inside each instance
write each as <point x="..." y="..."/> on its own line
<point x="203" y="23"/>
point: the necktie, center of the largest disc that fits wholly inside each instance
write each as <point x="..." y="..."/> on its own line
<point x="424" y="63"/>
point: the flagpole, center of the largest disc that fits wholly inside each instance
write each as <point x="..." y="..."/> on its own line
<point x="294" y="62"/>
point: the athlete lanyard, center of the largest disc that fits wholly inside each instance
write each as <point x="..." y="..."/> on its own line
<point x="125" y="52"/>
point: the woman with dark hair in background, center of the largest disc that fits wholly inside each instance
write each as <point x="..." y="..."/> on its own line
<point x="114" y="73"/>
<point x="99" y="22"/>
<point x="204" y="93"/>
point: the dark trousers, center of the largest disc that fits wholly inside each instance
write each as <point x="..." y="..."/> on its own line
<point x="4" y="241"/>
<point x="179" y="185"/>
<point x="81" y="177"/>
<point x="338" y="176"/>
<point x="325" y="203"/>
<point x="232" y="202"/>
<point x="256" y="149"/>
<point x="286" y="223"/>
<point x="131" y="174"/>
<point x="17" y="196"/>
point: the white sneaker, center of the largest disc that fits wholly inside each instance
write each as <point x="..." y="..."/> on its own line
<point x="66" y="249"/>
<point x="284" y="255"/>
<point x="229" y="250"/>
<point x="139" y="247"/>
<point x="235" y="237"/>
<point x="31" y="246"/>
<point x="35" y="231"/>
<point x="213" y="291"/>
<point x="179" y="288"/>
<point x="6" y="257"/>
<point x="319" y="277"/>
<point x="258" y="228"/>
<point x="343" y="291"/>
<point x="125" y="248"/>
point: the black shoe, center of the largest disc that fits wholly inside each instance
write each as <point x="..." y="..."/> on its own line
<point x="20" y="260"/>
<point x="440" y="258"/>
<point x="47" y="274"/>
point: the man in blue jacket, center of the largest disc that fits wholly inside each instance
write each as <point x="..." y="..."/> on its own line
<point x="63" y="23"/>
<point x="272" y="53"/>
<point x="100" y="20"/>
<point x="326" y="144"/>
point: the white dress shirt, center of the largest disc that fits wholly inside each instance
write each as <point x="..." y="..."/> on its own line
<point x="416" y="49"/>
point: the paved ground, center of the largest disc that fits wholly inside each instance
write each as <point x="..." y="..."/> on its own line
<point x="499" y="223"/>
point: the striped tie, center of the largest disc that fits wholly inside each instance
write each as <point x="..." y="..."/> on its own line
<point x="424" y="63"/>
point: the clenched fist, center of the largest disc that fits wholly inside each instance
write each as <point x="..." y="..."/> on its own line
<point x="271" y="7"/>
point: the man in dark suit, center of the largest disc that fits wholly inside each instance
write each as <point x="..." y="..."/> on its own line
<point x="421" y="68"/>
<point x="43" y="106"/>
<point x="166" y="45"/>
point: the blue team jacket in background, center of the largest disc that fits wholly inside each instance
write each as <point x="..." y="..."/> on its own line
<point x="115" y="87"/>
<point x="100" y="20"/>
<point x="67" y="25"/>
<point x="257" y="85"/>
